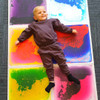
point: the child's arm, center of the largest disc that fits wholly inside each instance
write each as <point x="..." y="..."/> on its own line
<point x="24" y="35"/>
<point x="58" y="26"/>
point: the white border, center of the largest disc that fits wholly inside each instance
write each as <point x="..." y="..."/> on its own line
<point x="8" y="48"/>
<point x="92" y="52"/>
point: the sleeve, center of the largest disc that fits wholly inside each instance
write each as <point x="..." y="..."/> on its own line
<point x="25" y="34"/>
<point x="58" y="26"/>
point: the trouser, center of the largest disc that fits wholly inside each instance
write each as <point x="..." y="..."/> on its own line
<point x="53" y="51"/>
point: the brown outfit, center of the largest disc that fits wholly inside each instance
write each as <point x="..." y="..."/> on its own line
<point x="46" y="38"/>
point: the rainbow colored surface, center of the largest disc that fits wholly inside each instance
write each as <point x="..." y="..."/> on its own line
<point x="27" y="77"/>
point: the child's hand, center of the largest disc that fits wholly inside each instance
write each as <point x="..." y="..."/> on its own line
<point x="74" y="31"/>
<point x="17" y="42"/>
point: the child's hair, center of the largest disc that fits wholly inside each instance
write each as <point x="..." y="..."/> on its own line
<point x="35" y="9"/>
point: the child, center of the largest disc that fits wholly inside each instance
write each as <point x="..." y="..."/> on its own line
<point x="45" y="37"/>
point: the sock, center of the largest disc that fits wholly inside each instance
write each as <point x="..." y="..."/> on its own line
<point x="73" y="79"/>
<point x="48" y="88"/>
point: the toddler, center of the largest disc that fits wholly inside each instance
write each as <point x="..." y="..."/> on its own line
<point x="43" y="30"/>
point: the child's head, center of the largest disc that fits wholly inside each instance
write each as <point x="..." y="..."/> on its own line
<point x="40" y="13"/>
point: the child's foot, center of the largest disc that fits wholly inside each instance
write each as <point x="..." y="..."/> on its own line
<point x="73" y="79"/>
<point x="48" y="88"/>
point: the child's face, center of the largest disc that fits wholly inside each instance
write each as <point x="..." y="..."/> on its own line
<point x="40" y="14"/>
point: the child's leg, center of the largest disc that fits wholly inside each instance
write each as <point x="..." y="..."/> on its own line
<point x="48" y="64"/>
<point x="60" y="58"/>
